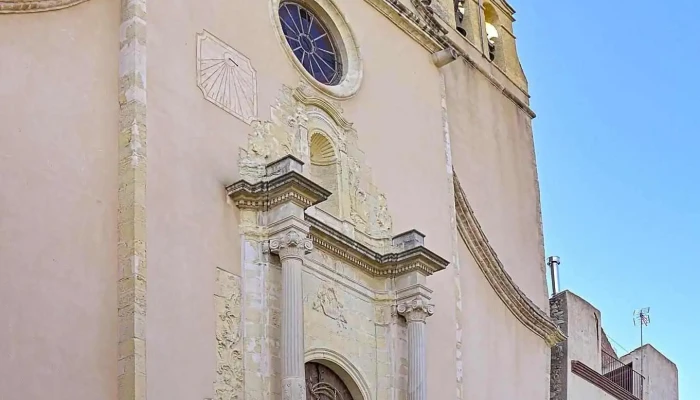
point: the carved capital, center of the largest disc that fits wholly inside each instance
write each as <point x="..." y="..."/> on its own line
<point x="292" y="244"/>
<point x="416" y="310"/>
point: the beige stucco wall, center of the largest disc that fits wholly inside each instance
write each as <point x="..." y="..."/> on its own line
<point x="493" y="154"/>
<point x="497" y="347"/>
<point x="58" y="203"/>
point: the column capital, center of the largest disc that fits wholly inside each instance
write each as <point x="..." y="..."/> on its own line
<point x="290" y="244"/>
<point x="415" y="310"/>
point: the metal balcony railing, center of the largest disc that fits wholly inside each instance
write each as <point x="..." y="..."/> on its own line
<point x="622" y="374"/>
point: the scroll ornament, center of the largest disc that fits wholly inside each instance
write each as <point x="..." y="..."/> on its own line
<point x="416" y="310"/>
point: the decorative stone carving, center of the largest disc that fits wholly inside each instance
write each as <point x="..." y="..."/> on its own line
<point x="229" y="370"/>
<point x="416" y="310"/>
<point x="291" y="244"/>
<point x="327" y="302"/>
<point x="29" y="6"/>
<point x="296" y="113"/>
<point x="284" y="134"/>
<point x="226" y="77"/>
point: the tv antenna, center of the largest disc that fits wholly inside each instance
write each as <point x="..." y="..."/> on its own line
<point x="641" y="316"/>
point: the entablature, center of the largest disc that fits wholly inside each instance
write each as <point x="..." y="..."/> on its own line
<point x="284" y="183"/>
<point x="397" y="261"/>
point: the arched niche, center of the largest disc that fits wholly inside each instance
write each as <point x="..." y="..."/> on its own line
<point x="350" y="376"/>
<point x="326" y="136"/>
<point x="325" y="169"/>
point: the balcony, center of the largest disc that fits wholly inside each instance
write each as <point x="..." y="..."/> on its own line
<point x="622" y="374"/>
<point x="617" y="379"/>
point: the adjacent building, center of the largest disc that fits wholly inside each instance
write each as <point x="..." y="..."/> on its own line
<point x="586" y="366"/>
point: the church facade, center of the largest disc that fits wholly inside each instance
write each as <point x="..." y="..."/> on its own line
<point x="272" y="199"/>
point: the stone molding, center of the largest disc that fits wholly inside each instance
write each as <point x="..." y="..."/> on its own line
<point x="410" y="23"/>
<point x="291" y="186"/>
<point x="343" y="367"/>
<point x="456" y="267"/>
<point x="406" y="251"/>
<point x="416" y="310"/>
<point x="425" y="27"/>
<point x="304" y="96"/>
<point x="391" y="263"/>
<point x="33" y="6"/>
<point x="502" y="283"/>
<point x="132" y="260"/>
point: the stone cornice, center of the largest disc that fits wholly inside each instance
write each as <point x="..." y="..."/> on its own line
<point x="392" y="263"/>
<point x="32" y="6"/>
<point x="434" y="35"/>
<point x="409" y="22"/>
<point x="289" y="187"/>
<point x="502" y="283"/>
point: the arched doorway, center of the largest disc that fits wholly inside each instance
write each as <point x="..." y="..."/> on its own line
<point x="324" y="384"/>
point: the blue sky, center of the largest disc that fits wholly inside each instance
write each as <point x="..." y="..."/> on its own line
<point x="614" y="86"/>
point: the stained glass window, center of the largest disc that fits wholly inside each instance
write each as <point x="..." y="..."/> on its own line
<point x="311" y="43"/>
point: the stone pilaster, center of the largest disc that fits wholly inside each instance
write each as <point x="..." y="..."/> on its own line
<point x="131" y="222"/>
<point x="281" y="197"/>
<point x="416" y="311"/>
<point x="291" y="246"/>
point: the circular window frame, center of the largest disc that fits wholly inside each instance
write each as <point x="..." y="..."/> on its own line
<point x="343" y="39"/>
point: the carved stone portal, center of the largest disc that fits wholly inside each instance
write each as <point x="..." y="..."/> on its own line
<point x="324" y="384"/>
